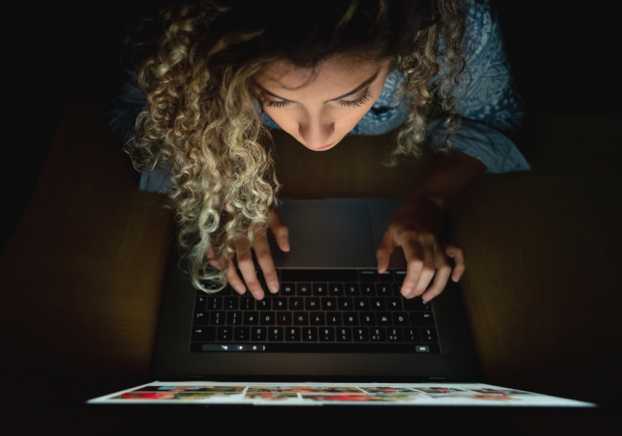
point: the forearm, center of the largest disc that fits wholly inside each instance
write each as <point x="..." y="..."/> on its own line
<point x="446" y="177"/>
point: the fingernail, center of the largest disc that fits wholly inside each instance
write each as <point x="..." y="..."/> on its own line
<point x="240" y="289"/>
<point x="257" y="294"/>
<point x="407" y="292"/>
<point x="274" y="287"/>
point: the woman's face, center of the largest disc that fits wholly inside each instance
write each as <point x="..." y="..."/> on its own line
<point x="321" y="113"/>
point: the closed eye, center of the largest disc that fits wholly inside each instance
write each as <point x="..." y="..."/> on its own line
<point x="279" y="104"/>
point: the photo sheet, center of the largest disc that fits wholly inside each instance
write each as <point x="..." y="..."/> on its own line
<point x="317" y="394"/>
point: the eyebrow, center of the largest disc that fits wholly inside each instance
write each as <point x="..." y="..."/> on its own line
<point x="358" y="88"/>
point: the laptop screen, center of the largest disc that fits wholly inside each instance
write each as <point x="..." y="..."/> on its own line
<point x="317" y="394"/>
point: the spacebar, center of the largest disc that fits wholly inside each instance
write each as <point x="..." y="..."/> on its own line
<point x="319" y="275"/>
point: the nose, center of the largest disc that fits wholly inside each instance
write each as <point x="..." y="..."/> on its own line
<point x="316" y="133"/>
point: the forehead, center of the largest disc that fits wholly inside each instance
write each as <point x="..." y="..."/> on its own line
<point x="284" y="75"/>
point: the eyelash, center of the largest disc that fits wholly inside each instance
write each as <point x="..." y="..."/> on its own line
<point x="358" y="102"/>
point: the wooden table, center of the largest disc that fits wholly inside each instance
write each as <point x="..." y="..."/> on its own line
<point x="82" y="275"/>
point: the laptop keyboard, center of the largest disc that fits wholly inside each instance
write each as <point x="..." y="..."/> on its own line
<point x="317" y="311"/>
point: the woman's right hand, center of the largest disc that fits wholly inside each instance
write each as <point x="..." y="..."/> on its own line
<point x="264" y="257"/>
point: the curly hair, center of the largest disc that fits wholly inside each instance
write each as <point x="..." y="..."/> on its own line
<point x="196" y="62"/>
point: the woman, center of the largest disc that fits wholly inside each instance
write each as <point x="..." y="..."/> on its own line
<point x="213" y="76"/>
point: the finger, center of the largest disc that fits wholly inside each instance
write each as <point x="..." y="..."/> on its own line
<point x="212" y="258"/>
<point x="279" y="229"/>
<point x="234" y="279"/>
<point x="247" y="267"/>
<point x="428" y="270"/>
<point x="383" y="254"/>
<point x="459" y="261"/>
<point x="415" y="262"/>
<point x="264" y="257"/>
<point x="443" y="271"/>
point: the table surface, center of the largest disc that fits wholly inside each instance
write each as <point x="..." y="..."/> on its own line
<point x="83" y="272"/>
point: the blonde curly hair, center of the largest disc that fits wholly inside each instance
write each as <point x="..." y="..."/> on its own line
<point x="196" y="64"/>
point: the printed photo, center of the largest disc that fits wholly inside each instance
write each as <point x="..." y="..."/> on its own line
<point x="191" y="389"/>
<point x="183" y="396"/>
<point x="360" y="398"/>
<point x="146" y="396"/>
<point x="305" y="389"/>
<point x="490" y="397"/>
<point x="500" y="391"/>
<point x="271" y="396"/>
<point x="435" y="390"/>
<point x="385" y="390"/>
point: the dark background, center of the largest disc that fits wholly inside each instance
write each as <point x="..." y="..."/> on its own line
<point x="54" y="54"/>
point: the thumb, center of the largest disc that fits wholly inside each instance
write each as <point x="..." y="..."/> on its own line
<point x="279" y="229"/>
<point x="383" y="254"/>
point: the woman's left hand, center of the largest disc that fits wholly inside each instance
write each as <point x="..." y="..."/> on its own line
<point x="416" y="227"/>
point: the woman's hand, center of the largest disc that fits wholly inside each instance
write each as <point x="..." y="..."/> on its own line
<point x="416" y="226"/>
<point x="264" y="257"/>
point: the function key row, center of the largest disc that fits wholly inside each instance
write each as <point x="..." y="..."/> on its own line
<point x="311" y="303"/>
<point x="334" y="275"/>
<point x="322" y="289"/>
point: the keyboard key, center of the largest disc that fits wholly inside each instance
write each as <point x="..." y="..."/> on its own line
<point x="327" y="334"/>
<point x="421" y="319"/>
<point x="384" y="290"/>
<point x="288" y="289"/>
<point x="335" y="289"/>
<point x="345" y="303"/>
<point x="333" y="318"/>
<point x="329" y="303"/>
<point x="296" y="303"/>
<point x="344" y="334"/>
<point x="368" y="275"/>
<point x="351" y="318"/>
<point x="411" y="334"/>
<point x="400" y="318"/>
<point x="225" y="333"/>
<point x="266" y="318"/>
<point x="352" y="289"/>
<point x="378" y="334"/>
<point x="320" y="289"/>
<point x="368" y="318"/>
<point x="361" y="303"/>
<point x="312" y="303"/>
<point x="386" y="276"/>
<point x="217" y="318"/>
<point x="303" y="289"/>
<point x="258" y="334"/>
<point x="265" y="303"/>
<point x="319" y="275"/>
<point x="201" y="318"/>
<point x="247" y="303"/>
<point x="280" y="303"/>
<point x="317" y="318"/>
<point x="399" y="275"/>
<point x="428" y="334"/>
<point x="292" y="334"/>
<point x="234" y="318"/>
<point x="242" y="334"/>
<point x="214" y="303"/>
<point x="416" y="304"/>
<point x="378" y="304"/>
<point x="384" y="319"/>
<point x="394" y="303"/>
<point x="231" y="303"/>
<point x="368" y="289"/>
<point x="301" y="318"/>
<point x="397" y="289"/>
<point x="309" y="334"/>
<point x="394" y="334"/>
<point x="361" y="334"/>
<point x="251" y="318"/>
<point x="275" y="334"/>
<point x="284" y="318"/>
<point x="204" y="334"/>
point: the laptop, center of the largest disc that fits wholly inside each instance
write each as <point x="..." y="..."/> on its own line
<point x="337" y="332"/>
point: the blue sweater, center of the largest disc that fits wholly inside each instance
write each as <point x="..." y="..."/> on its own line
<point x="489" y="103"/>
